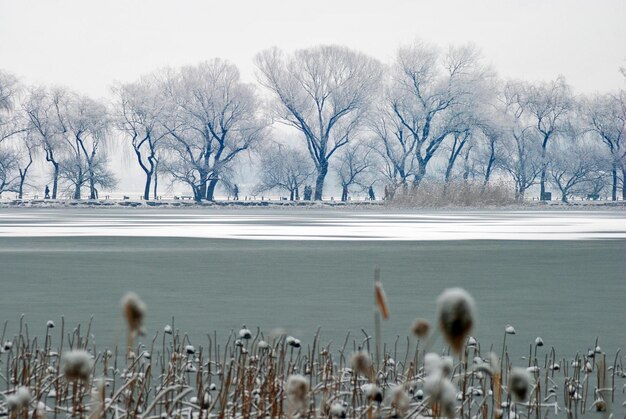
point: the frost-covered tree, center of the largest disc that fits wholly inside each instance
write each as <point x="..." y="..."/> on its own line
<point x="139" y="112"/>
<point x="84" y="123"/>
<point x="521" y="151"/>
<point x="284" y="168"/>
<point x="395" y="147"/>
<point x="575" y="162"/>
<point x="354" y="168"/>
<point x="431" y="95"/>
<point x="606" y="117"/>
<point x="43" y="108"/>
<point x="211" y="118"/>
<point x="547" y="106"/>
<point x="324" y="92"/>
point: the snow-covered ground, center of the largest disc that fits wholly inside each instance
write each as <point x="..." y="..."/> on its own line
<point x="289" y="224"/>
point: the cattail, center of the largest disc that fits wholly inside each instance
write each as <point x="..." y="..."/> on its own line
<point x="372" y="392"/>
<point x="19" y="400"/>
<point x="509" y="330"/>
<point x="167" y="329"/>
<point x="538" y="341"/>
<point x="519" y="383"/>
<point x="442" y="394"/>
<point x="432" y="363"/>
<point x="455" y="311"/>
<point x="420" y="328"/>
<point x="50" y="324"/>
<point x="400" y="401"/>
<point x="134" y="311"/>
<point x="297" y="392"/>
<point x="381" y="299"/>
<point x="293" y="342"/>
<point x="361" y="363"/>
<point x="245" y="333"/>
<point x="338" y="410"/>
<point x="77" y="365"/>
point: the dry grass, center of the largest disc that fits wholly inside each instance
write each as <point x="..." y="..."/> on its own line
<point x="432" y="194"/>
<point x="251" y="375"/>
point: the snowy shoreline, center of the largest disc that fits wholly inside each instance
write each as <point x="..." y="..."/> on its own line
<point x="378" y="205"/>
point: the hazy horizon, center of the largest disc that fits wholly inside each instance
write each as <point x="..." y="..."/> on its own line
<point x="89" y="46"/>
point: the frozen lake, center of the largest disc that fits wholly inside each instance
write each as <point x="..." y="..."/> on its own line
<point x="555" y="274"/>
<point x="315" y="224"/>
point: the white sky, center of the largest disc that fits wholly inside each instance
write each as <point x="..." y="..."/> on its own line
<point x="86" y="45"/>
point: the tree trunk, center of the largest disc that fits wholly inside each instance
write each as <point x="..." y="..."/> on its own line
<point x="92" y="188"/>
<point x="344" y="194"/>
<point x="614" y="186"/>
<point x="542" y="185"/>
<point x="55" y="180"/>
<point x="624" y="184"/>
<point x="210" y="192"/>
<point x="419" y="176"/>
<point x="156" y="179"/>
<point x="291" y="194"/>
<point x="21" y="190"/>
<point x="542" y="181"/>
<point x="146" y="191"/>
<point x="319" y="182"/>
<point x="297" y="194"/>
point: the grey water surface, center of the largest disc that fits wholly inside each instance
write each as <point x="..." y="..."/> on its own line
<point x="193" y="265"/>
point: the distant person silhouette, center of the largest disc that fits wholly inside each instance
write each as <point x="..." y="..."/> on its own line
<point x="47" y="193"/>
<point x="236" y="193"/>
<point x="371" y="194"/>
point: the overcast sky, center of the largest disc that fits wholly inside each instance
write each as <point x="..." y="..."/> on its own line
<point x="86" y="45"/>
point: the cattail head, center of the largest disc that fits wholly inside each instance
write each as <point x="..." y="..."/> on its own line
<point x="519" y="383"/>
<point x="19" y="400"/>
<point x="372" y="392"/>
<point x="293" y="342"/>
<point x="244" y="333"/>
<point x="381" y="299"/>
<point x="361" y="363"/>
<point x="297" y="391"/>
<point x="337" y="410"/>
<point x="420" y="328"/>
<point x="400" y="401"/>
<point x="442" y="395"/>
<point x="134" y="311"/>
<point x="77" y="365"/>
<point x="455" y="312"/>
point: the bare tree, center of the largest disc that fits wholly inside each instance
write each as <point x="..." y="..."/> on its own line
<point x="574" y="163"/>
<point x="8" y="169"/>
<point x="606" y="116"/>
<point x="139" y="113"/>
<point x="26" y="151"/>
<point x="547" y="105"/>
<point x="43" y="108"/>
<point x="284" y="168"/>
<point x="353" y="168"/>
<point x="10" y="123"/>
<point x="432" y="93"/>
<point x="522" y="151"/>
<point x="395" y="146"/>
<point x="323" y="92"/>
<point x="84" y="123"/>
<point x="212" y="117"/>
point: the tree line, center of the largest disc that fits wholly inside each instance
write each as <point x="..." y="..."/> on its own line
<point x="432" y="114"/>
